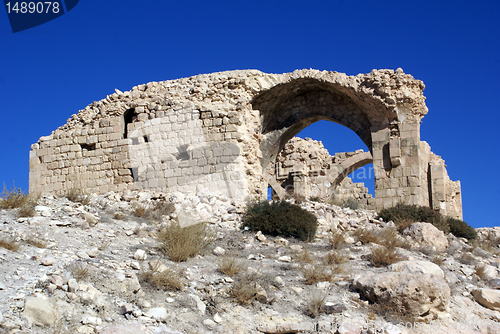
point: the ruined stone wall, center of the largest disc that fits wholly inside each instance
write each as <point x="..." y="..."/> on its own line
<point x="314" y="162"/>
<point x="220" y="131"/>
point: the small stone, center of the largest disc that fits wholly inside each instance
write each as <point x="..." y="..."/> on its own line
<point x="259" y="236"/>
<point x="72" y="285"/>
<point x="140" y="254"/>
<point x="126" y="308"/>
<point x="157" y="266"/>
<point x="297" y="290"/>
<point x="93" y="252"/>
<point x="48" y="261"/>
<point x="159" y="314"/>
<point x="260" y="294"/>
<point x="281" y="241"/>
<point x="135" y="265"/>
<point x="217" y="318"/>
<point x="200" y="305"/>
<point x="285" y="258"/>
<point x="209" y="323"/>
<point x="219" y="251"/>
<point x="83" y="255"/>
<point x="90" y="218"/>
<point x="170" y="300"/>
<point x="330" y="308"/>
<point x="279" y="282"/>
<point x="296" y="248"/>
<point x="323" y="285"/>
<point x="92" y="321"/>
<point x="57" y="281"/>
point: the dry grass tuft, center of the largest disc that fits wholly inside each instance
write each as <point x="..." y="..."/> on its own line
<point x="388" y="237"/>
<point x="77" y="195"/>
<point x="230" y="265"/>
<point x="481" y="272"/>
<point x="9" y="244"/>
<point x="384" y="256"/>
<point x="27" y="210"/>
<point x="153" y="211"/>
<point x="336" y="239"/>
<point x="314" y="304"/>
<point x="467" y="258"/>
<point x="304" y="256"/>
<point x="35" y="240"/>
<point x="79" y="270"/>
<point x="439" y="260"/>
<point x="245" y="289"/>
<point x="180" y="243"/>
<point x="14" y="198"/>
<point x="335" y="257"/>
<point x="315" y="274"/>
<point x="169" y="279"/>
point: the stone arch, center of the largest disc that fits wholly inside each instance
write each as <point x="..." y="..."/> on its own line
<point x="341" y="170"/>
<point x="288" y="108"/>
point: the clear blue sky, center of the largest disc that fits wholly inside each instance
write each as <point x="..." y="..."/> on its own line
<point x="49" y="72"/>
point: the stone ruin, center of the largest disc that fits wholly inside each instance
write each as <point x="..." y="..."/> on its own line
<point x="307" y="159"/>
<point x="224" y="131"/>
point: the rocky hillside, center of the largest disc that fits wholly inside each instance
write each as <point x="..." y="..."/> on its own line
<point x="99" y="267"/>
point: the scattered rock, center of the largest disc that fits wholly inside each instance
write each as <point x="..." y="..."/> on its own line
<point x="419" y="295"/>
<point x="489" y="298"/>
<point x="140" y="255"/>
<point x="159" y="314"/>
<point x="427" y="235"/>
<point x="39" y="311"/>
<point x="219" y="251"/>
<point x="418" y="267"/>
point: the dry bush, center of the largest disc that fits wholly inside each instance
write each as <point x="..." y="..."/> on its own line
<point x="9" y="244"/>
<point x="315" y="274"/>
<point x="27" y="210"/>
<point x="230" y="265"/>
<point x="169" y="279"/>
<point x="153" y="211"/>
<point x="467" y="258"/>
<point x="388" y="237"/>
<point x="439" y="260"/>
<point x="245" y="288"/>
<point x="481" y="271"/>
<point x="336" y="238"/>
<point x="383" y="256"/>
<point x="139" y="210"/>
<point x="314" y="304"/>
<point x="35" y="240"/>
<point x="304" y="256"/>
<point x="77" y="195"/>
<point x="180" y="243"/>
<point x="14" y="198"/>
<point x="335" y="257"/>
<point x="79" y="270"/>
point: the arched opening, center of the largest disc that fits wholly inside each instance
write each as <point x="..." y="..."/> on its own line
<point x="288" y="109"/>
<point x="128" y="117"/>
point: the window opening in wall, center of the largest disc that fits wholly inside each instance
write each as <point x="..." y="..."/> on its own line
<point x="146" y="139"/>
<point x="87" y="147"/>
<point x="269" y="193"/>
<point x="128" y="117"/>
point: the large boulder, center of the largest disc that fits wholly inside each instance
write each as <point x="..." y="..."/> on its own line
<point x="418" y="267"/>
<point x="489" y="298"/>
<point x="427" y="235"/>
<point x="39" y="311"/>
<point x="421" y="296"/>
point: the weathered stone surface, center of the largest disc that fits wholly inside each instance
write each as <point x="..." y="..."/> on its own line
<point x="39" y="311"/>
<point x="489" y="298"/>
<point x="418" y="267"/>
<point x="427" y="235"/>
<point x="418" y="295"/>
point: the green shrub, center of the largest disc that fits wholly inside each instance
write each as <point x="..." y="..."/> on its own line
<point x="402" y="214"/>
<point x="461" y="229"/>
<point x="281" y="218"/>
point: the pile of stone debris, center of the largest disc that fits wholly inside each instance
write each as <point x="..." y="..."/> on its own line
<point x="78" y="268"/>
